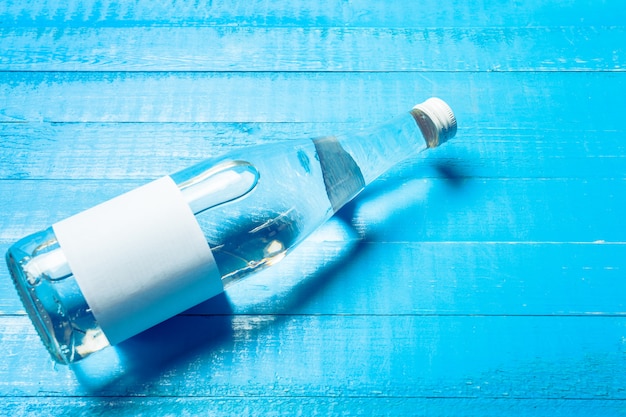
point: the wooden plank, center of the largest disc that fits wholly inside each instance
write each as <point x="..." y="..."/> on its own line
<point x="336" y="356"/>
<point x="350" y="277"/>
<point x="488" y="100"/>
<point x="143" y="151"/>
<point x="476" y="210"/>
<point x="301" y="13"/>
<point x="315" y="49"/>
<point x="309" y="406"/>
<point x="330" y="274"/>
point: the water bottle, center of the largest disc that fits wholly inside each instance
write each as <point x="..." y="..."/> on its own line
<point x="121" y="267"/>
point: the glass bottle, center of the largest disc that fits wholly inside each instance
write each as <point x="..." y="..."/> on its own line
<point x="108" y="273"/>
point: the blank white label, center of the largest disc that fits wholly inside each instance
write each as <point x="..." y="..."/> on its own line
<point x="139" y="258"/>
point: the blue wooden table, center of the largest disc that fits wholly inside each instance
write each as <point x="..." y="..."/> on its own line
<point x="486" y="278"/>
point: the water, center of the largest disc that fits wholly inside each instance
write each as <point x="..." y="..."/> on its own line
<point x="287" y="203"/>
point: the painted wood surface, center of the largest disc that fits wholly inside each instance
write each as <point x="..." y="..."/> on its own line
<point x="311" y="49"/>
<point x="300" y="13"/>
<point x="482" y="278"/>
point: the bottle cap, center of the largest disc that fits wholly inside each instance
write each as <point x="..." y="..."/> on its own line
<point x="436" y="121"/>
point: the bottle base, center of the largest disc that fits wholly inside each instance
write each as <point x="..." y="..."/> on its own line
<point x="34" y="308"/>
<point x="52" y="298"/>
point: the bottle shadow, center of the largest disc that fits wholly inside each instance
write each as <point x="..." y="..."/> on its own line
<point x="266" y="299"/>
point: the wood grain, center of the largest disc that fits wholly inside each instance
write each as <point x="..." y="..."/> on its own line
<point x="325" y="277"/>
<point x="488" y="100"/>
<point x="311" y="406"/>
<point x="301" y="13"/>
<point x="337" y="356"/>
<point x="475" y="210"/>
<point x="144" y="151"/>
<point x="300" y="49"/>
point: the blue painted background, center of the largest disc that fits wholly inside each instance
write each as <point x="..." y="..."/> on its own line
<point x="486" y="278"/>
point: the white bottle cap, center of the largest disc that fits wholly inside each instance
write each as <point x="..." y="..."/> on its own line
<point x="436" y="120"/>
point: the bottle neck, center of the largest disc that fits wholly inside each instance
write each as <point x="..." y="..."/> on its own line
<point x="377" y="150"/>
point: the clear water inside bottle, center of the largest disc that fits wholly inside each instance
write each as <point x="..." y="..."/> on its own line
<point x="257" y="229"/>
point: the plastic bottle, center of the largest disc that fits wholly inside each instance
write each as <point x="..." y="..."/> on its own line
<point x="110" y="272"/>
